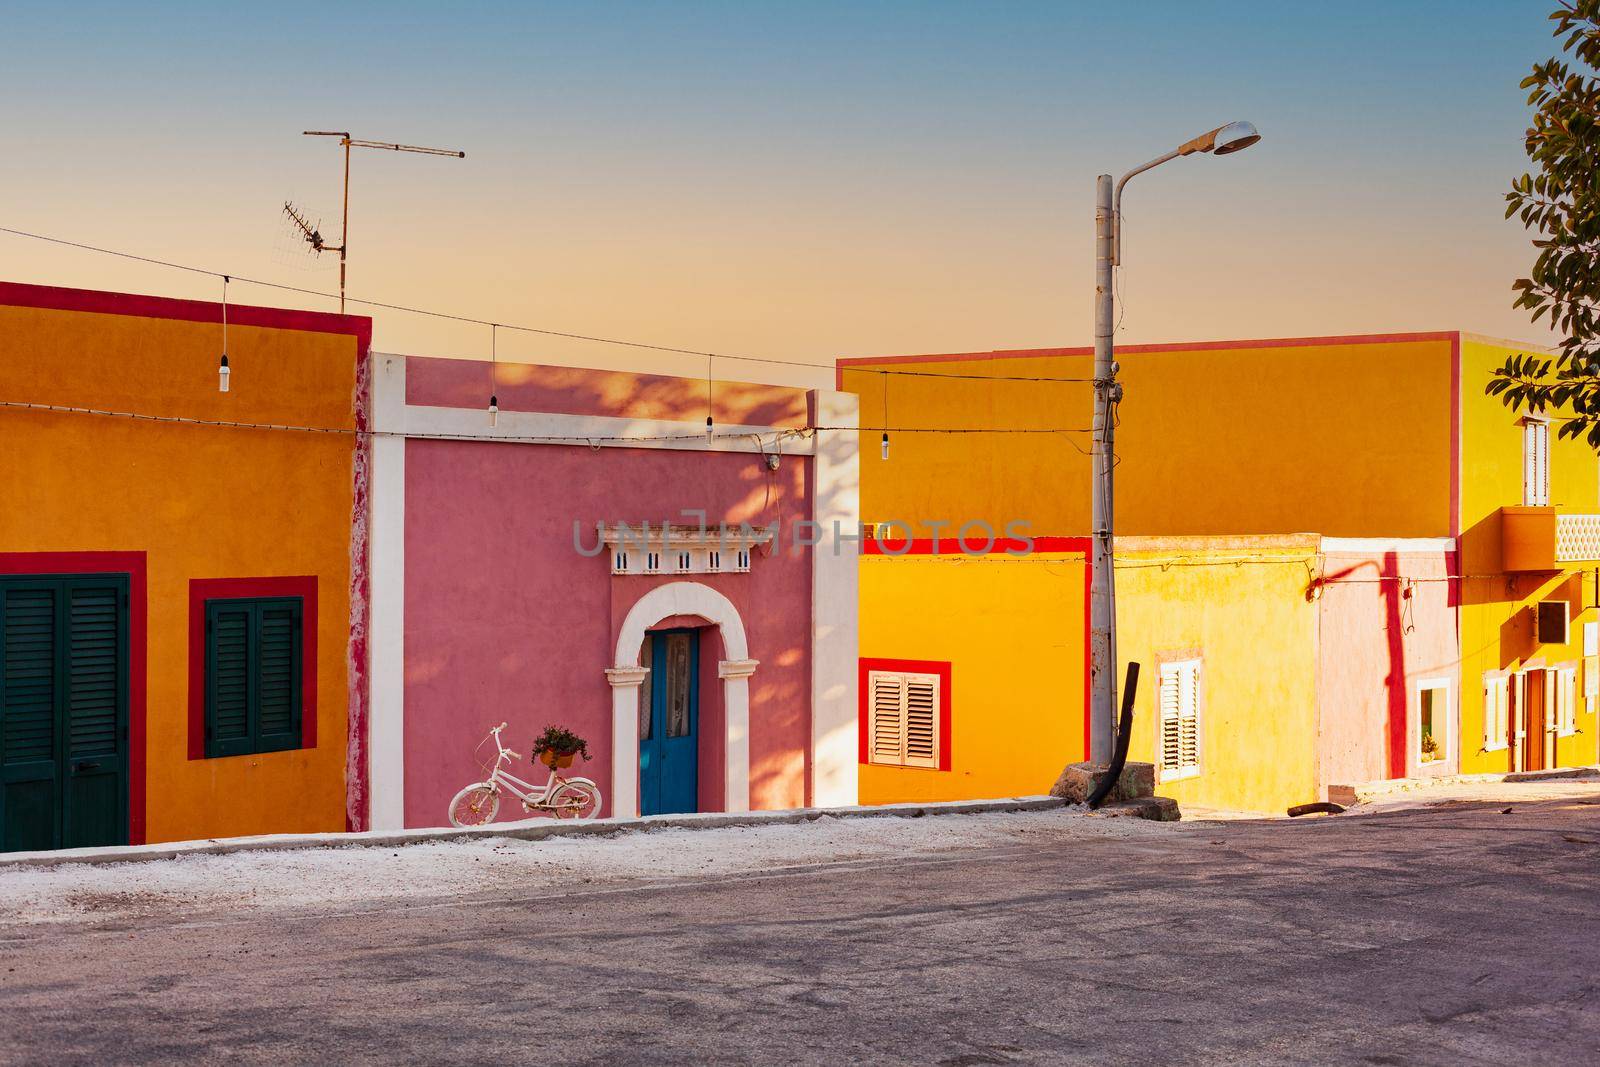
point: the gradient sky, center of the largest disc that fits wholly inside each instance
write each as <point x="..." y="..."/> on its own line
<point x="801" y="181"/>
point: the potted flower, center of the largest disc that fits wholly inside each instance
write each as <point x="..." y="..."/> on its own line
<point x="557" y="747"/>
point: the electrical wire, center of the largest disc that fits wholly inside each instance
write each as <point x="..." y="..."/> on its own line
<point x="543" y="331"/>
<point x="485" y="322"/>
<point x="777" y="434"/>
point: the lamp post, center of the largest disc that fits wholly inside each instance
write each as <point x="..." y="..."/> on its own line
<point x="1222" y="141"/>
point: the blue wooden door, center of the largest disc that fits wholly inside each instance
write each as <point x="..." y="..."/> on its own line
<point x="669" y="724"/>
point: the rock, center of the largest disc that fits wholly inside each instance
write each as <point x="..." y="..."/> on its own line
<point x="1078" y="781"/>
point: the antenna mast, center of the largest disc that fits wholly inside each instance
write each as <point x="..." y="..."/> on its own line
<point x="309" y="232"/>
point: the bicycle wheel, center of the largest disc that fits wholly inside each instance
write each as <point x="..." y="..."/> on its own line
<point x="575" y="800"/>
<point x="475" y="805"/>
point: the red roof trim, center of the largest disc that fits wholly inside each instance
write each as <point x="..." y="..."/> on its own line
<point x="56" y="298"/>
<point x="1177" y="346"/>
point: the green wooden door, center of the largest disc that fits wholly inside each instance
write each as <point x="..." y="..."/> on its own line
<point x="63" y="711"/>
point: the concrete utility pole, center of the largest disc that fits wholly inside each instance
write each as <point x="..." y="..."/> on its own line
<point x="1221" y="141"/>
<point x="1107" y="391"/>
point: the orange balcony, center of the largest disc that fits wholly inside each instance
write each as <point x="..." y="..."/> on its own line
<point x="1539" y="539"/>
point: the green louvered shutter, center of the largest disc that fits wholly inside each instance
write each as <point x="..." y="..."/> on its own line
<point x="29" y="814"/>
<point x="94" y="809"/>
<point x="278" y="674"/>
<point x="229" y="692"/>
<point x="253" y="675"/>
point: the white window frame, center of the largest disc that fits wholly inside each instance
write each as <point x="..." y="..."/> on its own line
<point x="1591" y="666"/>
<point x="1172" y="688"/>
<point x="1535" y="462"/>
<point x="1566" y="700"/>
<point x="892" y="743"/>
<point x="1447" y="721"/>
<point x="1496" y="710"/>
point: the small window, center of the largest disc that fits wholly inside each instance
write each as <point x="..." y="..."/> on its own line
<point x="1566" y="700"/>
<point x="1496" y="711"/>
<point x="904" y="726"/>
<point x="1433" y="722"/>
<point x="1180" y="720"/>
<point x="1535" y="463"/>
<point x="254" y="652"/>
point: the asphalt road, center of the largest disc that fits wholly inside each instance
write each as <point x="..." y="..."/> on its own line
<point x="1440" y="936"/>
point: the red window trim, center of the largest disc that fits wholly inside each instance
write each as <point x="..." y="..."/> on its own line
<point x="203" y="589"/>
<point x="941" y="668"/>
<point x="133" y="565"/>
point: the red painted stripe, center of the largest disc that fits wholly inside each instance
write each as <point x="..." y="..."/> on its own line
<point x="1455" y="436"/>
<point x="203" y="589"/>
<point x="1088" y="649"/>
<point x="133" y="565"/>
<point x="952" y="546"/>
<point x="941" y="668"/>
<point x="57" y="298"/>
<point x="849" y="363"/>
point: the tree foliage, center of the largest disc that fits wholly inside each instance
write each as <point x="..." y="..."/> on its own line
<point x="1560" y="203"/>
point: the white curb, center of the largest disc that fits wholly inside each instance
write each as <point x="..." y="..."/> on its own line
<point x="526" y="830"/>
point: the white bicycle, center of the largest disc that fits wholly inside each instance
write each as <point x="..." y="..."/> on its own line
<point x="564" y="798"/>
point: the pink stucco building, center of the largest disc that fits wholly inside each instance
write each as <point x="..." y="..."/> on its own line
<point x="711" y="668"/>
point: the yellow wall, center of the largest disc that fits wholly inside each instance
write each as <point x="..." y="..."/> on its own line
<point x="203" y="503"/>
<point x="1497" y="631"/>
<point x="1012" y="630"/>
<point x="1213" y="440"/>
<point x="1239" y="605"/>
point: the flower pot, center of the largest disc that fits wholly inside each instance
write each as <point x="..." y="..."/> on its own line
<point x="556" y="759"/>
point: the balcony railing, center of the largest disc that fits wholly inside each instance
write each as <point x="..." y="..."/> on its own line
<point x="1539" y="539"/>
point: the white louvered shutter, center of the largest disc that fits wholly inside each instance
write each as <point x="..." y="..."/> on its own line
<point x="887" y="730"/>
<point x="904" y="714"/>
<point x="1180" y="720"/>
<point x="1535" y="463"/>
<point x="922" y="720"/>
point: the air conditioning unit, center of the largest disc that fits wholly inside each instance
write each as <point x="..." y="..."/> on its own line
<point x="1554" y="622"/>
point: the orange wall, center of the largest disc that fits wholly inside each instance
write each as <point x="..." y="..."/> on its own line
<point x="202" y="502"/>
<point x="1012" y="630"/>
<point x="1214" y="438"/>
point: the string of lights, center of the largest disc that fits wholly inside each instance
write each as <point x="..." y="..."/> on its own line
<point x="543" y="331"/>
<point x="776" y="434"/>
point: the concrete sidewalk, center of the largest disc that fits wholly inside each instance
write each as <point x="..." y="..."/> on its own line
<point x="1367" y="792"/>
<point x="540" y="828"/>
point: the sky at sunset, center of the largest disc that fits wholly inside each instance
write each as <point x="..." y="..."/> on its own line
<point x="800" y="181"/>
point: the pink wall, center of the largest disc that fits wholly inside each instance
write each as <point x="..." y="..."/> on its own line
<point x="1385" y="621"/>
<point x="578" y="391"/>
<point x="506" y="621"/>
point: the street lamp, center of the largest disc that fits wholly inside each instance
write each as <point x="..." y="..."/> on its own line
<point x="1222" y="141"/>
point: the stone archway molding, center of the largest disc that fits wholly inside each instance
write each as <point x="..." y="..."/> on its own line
<point x="626" y="675"/>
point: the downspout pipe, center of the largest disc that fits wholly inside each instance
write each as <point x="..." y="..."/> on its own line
<point x="1119" y="756"/>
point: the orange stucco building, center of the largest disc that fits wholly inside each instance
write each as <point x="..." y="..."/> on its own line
<point x="182" y="603"/>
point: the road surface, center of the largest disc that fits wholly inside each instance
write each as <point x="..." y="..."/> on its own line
<point x="1440" y="935"/>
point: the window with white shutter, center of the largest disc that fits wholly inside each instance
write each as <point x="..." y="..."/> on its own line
<point x="1496" y="710"/>
<point x="1535" y="463"/>
<point x="1179" y="745"/>
<point x="1566" y="700"/>
<point x="903" y="726"/>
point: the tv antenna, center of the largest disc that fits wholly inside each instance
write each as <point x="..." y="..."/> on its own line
<point x="312" y="234"/>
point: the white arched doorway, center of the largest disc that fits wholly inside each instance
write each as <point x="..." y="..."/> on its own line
<point x="626" y="675"/>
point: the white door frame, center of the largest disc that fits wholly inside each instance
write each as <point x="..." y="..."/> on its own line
<point x="625" y="677"/>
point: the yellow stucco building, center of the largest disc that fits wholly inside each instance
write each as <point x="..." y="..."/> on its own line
<point x="1311" y="562"/>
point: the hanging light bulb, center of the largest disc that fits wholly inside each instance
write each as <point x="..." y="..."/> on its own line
<point x="222" y="368"/>
<point x="494" y="410"/>
<point x="886" y="444"/>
